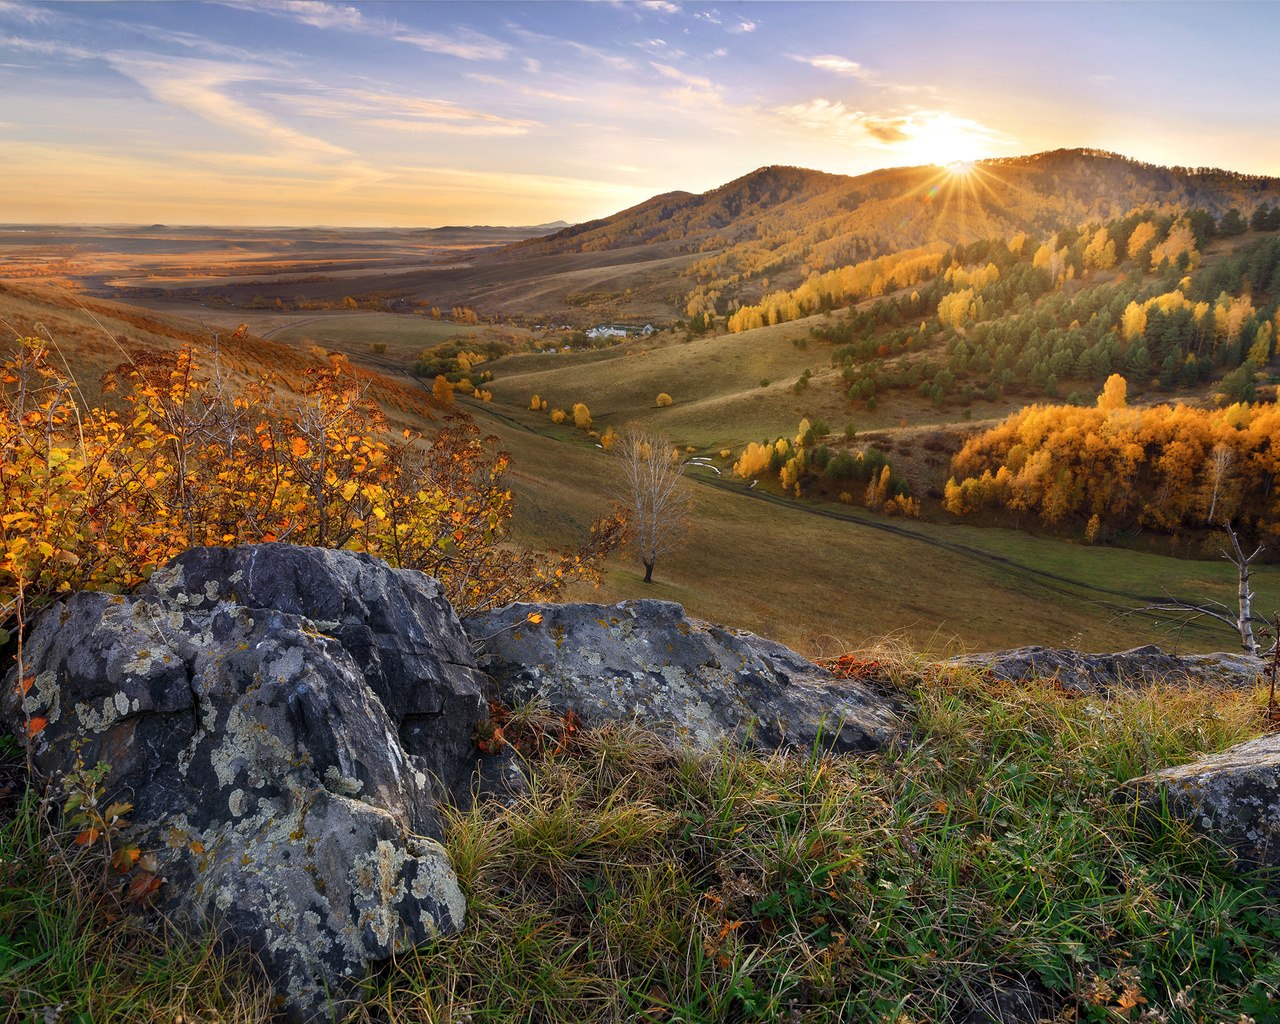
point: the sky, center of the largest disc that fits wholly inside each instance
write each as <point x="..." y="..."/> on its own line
<point x="429" y="114"/>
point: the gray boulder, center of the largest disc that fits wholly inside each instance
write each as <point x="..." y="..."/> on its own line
<point x="286" y="721"/>
<point x="1142" y="666"/>
<point x="1232" y="797"/>
<point x="699" y="684"/>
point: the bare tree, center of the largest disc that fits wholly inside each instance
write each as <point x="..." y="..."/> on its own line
<point x="1244" y="618"/>
<point x="1241" y="620"/>
<point x="649" y="488"/>
<point x="1219" y="464"/>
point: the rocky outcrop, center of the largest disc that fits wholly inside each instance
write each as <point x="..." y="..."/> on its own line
<point x="289" y="721"/>
<point x="1232" y="797"/>
<point x="1142" y="666"/>
<point x="286" y="721"/>
<point x="644" y="662"/>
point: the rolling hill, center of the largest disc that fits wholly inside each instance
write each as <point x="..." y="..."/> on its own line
<point x="732" y="245"/>
<point x="781" y="223"/>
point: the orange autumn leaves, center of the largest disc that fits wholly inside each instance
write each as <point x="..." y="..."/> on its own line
<point x="1164" y="467"/>
<point x="97" y="499"/>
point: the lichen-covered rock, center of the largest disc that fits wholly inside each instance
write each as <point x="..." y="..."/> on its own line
<point x="645" y="662"/>
<point x="286" y="721"/>
<point x="1141" y="666"/>
<point x="1232" y="797"/>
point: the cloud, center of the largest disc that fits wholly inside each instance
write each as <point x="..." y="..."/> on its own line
<point x="525" y="90"/>
<point x="837" y="120"/>
<point x="839" y="66"/>
<point x="712" y="16"/>
<point x="201" y="87"/>
<point x="691" y="80"/>
<point x="401" y="124"/>
<point x="465" y="43"/>
<point x="403" y="113"/>
<point x="319" y="15"/>
<point x="660" y="6"/>
<point x="924" y="127"/>
<point x="26" y="12"/>
<point x="743" y="26"/>
<point x="544" y="42"/>
<point x="660" y="48"/>
<point x="852" y="69"/>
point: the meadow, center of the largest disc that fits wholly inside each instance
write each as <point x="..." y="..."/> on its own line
<point x="823" y="577"/>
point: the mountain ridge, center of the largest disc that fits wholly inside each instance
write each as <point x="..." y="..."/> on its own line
<point x="774" y="185"/>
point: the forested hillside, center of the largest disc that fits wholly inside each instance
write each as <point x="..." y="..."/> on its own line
<point x="1131" y="303"/>
<point x="778" y="225"/>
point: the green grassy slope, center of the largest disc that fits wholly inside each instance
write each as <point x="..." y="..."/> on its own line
<point x="816" y="577"/>
<point x="715" y="386"/>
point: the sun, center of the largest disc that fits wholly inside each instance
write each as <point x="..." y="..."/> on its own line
<point x="959" y="168"/>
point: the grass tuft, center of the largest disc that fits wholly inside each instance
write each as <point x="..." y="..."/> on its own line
<point x="70" y="953"/>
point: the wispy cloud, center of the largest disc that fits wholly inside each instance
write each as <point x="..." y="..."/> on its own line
<point x="47" y="47"/>
<point x="203" y="88"/>
<point x="27" y="13"/>
<point x="317" y="14"/>
<point x="545" y="42"/>
<point x="742" y="26"/>
<point x="837" y="120"/>
<point x="661" y="48"/>
<point x="524" y="90"/>
<point x="465" y="43"/>
<point x="426" y="127"/>
<point x="697" y="82"/>
<point x="661" y="6"/>
<point x="839" y="66"/>
<point x="853" y="69"/>
<point x="401" y="113"/>
<point x="202" y="43"/>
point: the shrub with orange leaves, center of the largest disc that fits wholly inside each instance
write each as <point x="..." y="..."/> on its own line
<point x="97" y="499"/>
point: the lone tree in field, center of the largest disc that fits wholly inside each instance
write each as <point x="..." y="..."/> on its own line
<point x="1241" y="618"/>
<point x="658" y="511"/>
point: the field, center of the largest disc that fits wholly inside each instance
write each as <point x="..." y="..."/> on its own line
<point x="823" y="578"/>
<point x="716" y="384"/>
<point x="404" y="336"/>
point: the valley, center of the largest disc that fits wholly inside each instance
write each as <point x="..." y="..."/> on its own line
<point x="791" y="549"/>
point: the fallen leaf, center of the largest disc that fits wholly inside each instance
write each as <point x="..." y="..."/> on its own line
<point x="144" y="885"/>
